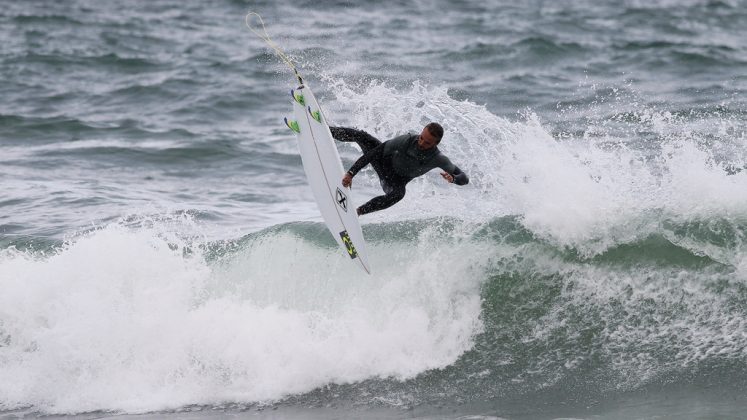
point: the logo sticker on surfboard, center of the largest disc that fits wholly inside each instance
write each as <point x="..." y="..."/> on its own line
<point x="348" y="244"/>
<point x="342" y="199"/>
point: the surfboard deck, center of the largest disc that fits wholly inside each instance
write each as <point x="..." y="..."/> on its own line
<point x="324" y="172"/>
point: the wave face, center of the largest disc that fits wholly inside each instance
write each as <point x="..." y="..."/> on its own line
<point x="455" y="311"/>
<point x="161" y="251"/>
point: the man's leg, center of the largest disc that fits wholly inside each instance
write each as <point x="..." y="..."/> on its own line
<point x="364" y="140"/>
<point x="394" y="193"/>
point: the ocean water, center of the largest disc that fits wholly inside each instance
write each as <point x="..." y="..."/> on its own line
<point x="161" y="255"/>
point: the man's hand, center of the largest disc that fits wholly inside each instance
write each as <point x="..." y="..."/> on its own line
<point x="446" y="176"/>
<point x="347" y="180"/>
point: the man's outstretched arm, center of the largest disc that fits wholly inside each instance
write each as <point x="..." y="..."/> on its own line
<point x="452" y="173"/>
<point x="373" y="154"/>
<point x="459" y="177"/>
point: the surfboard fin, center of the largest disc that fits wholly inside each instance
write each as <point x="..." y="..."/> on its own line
<point x="298" y="97"/>
<point x="316" y="115"/>
<point x="293" y="125"/>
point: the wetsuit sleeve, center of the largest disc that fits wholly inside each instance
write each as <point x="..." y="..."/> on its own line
<point x="460" y="178"/>
<point x="367" y="157"/>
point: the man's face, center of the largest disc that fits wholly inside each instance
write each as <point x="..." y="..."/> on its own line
<point x="426" y="140"/>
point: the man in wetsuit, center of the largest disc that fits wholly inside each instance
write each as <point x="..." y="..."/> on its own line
<point x="398" y="161"/>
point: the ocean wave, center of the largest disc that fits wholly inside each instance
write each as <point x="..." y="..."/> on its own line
<point x="110" y="61"/>
<point x="34" y="129"/>
<point x="149" y="283"/>
<point x="524" y="51"/>
<point x="49" y="19"/>
<point x="653" y="311"/>
<point x="473" y="311"/>
<point x="62" y="129"/>
<point x="545" y="47"/>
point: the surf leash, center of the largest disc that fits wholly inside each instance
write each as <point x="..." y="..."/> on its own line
<point x="266" y="37"/>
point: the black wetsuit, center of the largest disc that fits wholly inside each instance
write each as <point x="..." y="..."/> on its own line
<point x="396" y="162"/>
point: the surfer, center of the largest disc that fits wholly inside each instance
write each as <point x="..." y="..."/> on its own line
<point x="398" y="161"/>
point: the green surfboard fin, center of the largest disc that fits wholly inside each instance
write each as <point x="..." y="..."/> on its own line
<point x="316" y="115"/>
<point x="293" y="125"/>
<point x="298" y="97"/>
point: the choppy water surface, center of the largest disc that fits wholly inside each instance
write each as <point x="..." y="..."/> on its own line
<point x="160" y="250"/>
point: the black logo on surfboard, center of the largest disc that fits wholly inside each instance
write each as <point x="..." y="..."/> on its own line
<point x="342" y="200"/>
<point x="348" y="244"/>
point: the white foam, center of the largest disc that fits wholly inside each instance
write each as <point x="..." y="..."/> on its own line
<point x="128" y="319"/>
<point x="590" y="191"/>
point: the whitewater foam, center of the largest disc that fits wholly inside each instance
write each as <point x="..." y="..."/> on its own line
<point x="580" y="190"/>
<point x="127" y="319"/>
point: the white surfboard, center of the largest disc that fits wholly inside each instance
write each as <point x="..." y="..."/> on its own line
<point x="324" y="171"/>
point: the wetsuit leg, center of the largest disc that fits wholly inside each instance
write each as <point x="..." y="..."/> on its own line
<point x="394" y="193"/>
<point x="364" y="140"/>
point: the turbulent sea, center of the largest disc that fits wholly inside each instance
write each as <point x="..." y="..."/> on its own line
<point x="161" y="255"/>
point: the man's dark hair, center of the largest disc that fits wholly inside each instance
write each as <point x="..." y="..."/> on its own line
<point x="435" y="129"/>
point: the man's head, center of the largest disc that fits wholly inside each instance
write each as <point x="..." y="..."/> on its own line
<point x="430" y="136"/>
